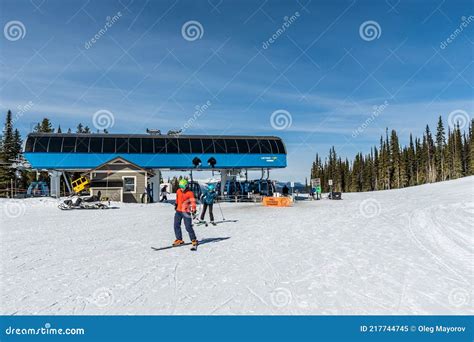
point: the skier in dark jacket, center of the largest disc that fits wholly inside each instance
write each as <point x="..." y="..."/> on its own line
<point x="208" y="201"/>
<point x="285" y="191"/>
<point x="164" y="193"/>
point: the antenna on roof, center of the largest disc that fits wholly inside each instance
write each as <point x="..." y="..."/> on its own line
<point x="153" y="131"/>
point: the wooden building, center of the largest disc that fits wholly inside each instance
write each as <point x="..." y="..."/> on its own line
<point x="120" y="180"/>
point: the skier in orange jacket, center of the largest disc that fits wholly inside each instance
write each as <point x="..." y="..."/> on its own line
<point x="185" y="210"/>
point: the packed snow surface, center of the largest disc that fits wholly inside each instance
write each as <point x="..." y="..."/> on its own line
<point x="407" y="251"/>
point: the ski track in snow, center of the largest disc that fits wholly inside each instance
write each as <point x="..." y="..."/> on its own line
<point x="407" y="251"/>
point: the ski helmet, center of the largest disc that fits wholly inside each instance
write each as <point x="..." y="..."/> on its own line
<point x="183" y="183"/>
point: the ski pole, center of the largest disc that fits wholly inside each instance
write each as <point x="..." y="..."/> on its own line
<point x="222" y="214"/>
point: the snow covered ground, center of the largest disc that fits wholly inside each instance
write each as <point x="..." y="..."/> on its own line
<point x="404" y="251"/>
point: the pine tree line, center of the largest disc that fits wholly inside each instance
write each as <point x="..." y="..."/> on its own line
<point x="45" y="126"/>
<point x="390" y="166"/>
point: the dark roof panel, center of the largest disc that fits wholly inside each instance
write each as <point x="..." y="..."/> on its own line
<point x="144" y="143"/>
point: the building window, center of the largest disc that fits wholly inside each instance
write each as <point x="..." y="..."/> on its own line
<point x="129" y="184"/>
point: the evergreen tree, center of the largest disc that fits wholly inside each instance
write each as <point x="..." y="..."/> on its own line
<point x="8" y="151"/>
<point x="411" y="163"/>
<point x="390" y="166"/>
<point x="471" y="148"/>
<point x="457" y="153"/>
<point x="395" y="161"/>
<point x="429" y="156"/>
<point x="46" y="126"/>
<point x="440" y="150"/>
<point x="17" y="142"/>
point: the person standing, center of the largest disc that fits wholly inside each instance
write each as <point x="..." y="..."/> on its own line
<point x="318" y="192"/>
<point x="164" y="193"/>
<point x="208" y="202"/>
<point x="185" y="209"/>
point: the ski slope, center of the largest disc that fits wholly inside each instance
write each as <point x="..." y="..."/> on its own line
<point x="407" y="251"/>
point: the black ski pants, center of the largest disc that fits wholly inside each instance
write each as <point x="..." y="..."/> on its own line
<point x="204" y="208"/>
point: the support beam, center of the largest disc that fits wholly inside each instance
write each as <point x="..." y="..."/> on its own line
<point x="54" y="183"/>
<point x="66" y="180"/>
<point x="223" y="181"/>
<point x="155" y="185"/>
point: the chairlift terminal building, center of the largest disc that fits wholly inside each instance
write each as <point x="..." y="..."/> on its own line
<point x="66" y="152"/>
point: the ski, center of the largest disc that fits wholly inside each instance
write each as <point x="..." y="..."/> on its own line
<point x="200" y="223"/>
<point x="170" y="246"/>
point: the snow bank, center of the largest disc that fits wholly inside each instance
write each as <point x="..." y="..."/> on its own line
<point x="403" y="251"/>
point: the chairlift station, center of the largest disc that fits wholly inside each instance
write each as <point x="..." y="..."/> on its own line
<point x="58" y="153"/>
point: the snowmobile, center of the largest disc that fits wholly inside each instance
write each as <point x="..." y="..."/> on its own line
<point x="83" y="202"/>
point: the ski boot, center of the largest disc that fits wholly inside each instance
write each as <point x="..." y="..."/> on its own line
<point x="177" y="243"/>
<point x="194" y="244"/>
<point x="213" y="223"/>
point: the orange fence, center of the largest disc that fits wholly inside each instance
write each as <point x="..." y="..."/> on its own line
<point x="277" y="201"/>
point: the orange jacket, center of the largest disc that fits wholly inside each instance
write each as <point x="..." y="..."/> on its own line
<point x="185" y="201"/>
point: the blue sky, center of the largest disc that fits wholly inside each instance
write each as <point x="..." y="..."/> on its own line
<point x="322" y="70"/>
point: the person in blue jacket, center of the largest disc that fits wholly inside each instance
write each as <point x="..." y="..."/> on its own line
<point x="208" y="198"/>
